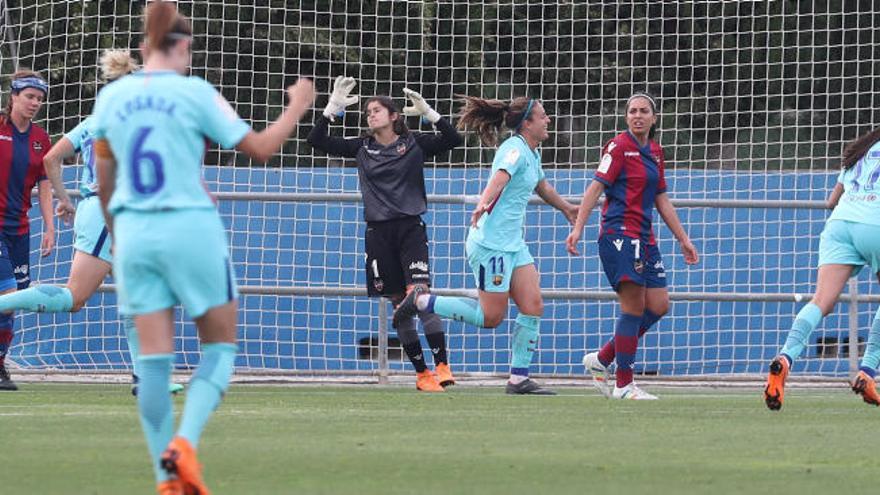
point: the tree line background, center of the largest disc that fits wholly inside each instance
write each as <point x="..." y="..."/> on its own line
<point x="746" y="85"/>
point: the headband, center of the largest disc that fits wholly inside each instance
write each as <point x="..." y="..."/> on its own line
<point x="645" y="96"/>
<point x="29" y="82"/>
<point x="525" y="114"/>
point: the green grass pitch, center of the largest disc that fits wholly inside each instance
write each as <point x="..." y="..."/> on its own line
<point x="86" y="439"/>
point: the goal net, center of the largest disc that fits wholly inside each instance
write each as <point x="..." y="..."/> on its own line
<point x="757" y="100"/>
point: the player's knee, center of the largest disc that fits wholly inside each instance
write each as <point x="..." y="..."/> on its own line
<point x="660" y="308"/>
<point x="492" y="320"/>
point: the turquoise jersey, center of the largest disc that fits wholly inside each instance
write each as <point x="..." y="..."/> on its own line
<point x="861" y="185"/>
<point x="82" y="137"/>
<point x="501" y="227"/>
<point x="157" y="124"/>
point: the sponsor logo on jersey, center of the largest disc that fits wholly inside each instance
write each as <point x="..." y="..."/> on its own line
<point x="5" y="138"/>
<point x="631" y="153"/>
<point x="418" y="265"/>
<point x="659" y="265"/>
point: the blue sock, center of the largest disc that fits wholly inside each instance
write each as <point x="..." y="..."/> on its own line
<point x="524" y="343"/>
<point x="626" y="343"/>
<point x="134" y="346"/>
<point x="39" y="298"/>
<point x="206" y="389"/>
<point x="871" y="359"/>
<point x="458" y="308"/>
<point x="154" y="405"/>
<point x="805" y="322"/>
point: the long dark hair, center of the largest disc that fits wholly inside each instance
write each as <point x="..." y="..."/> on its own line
<point x="399" y="125"/>
<point x="164" y="25"/>
<point x="19" y="74"/>
<point x="641" y="94"/>
<point x="486" y="117"/>
<point x="856" y="149"/>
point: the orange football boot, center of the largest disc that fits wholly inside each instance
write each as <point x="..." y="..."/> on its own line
<point x="775" y="389"/>
<point x="426" y="381"/>
<point x="864" y="385"/>
<point x="444" y="375"/>
<point x="180" y="461"/>
<point x="170" y="487"/>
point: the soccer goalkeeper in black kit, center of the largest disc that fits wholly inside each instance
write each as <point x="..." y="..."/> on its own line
<point x="390" y="160"/>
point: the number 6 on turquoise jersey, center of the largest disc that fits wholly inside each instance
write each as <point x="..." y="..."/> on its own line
<point x="140" y="158"/>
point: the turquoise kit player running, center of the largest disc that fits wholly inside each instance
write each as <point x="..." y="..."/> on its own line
<point x="91" y="261"/>
<point x="631" y="174"/>
<point x="170" y="244"/>
<point x="849" y="241"/>
<point x="497" y="253"/>
<point x="22" y="146"/>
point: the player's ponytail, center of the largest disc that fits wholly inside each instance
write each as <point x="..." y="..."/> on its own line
<point x="856" y="149"/>
<point x="164" y="26"/>
<point x="116" y="63"/>
<point x="486" y="117"/>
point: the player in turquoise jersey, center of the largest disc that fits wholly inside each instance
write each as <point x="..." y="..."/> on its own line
<point x="497" y="253"/>
<point x="849" y="241"/>
<point x="170" y="244"/>
<point x="91" y="261"/>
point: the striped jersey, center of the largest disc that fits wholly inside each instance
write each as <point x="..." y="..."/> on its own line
<point x="21" y="167"/>
<point x="633" y="177"/>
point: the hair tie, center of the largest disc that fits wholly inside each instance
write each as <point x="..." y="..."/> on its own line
<point x="525" y="114"/>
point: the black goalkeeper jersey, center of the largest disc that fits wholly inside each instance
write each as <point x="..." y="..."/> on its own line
<point x="392" y="179"/>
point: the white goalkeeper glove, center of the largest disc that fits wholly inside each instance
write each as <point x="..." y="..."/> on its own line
<point x="340" y="98"/>
<point x="419" y="107"/>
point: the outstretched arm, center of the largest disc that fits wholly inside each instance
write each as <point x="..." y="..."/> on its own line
<point x="320" y="139"/>
<point x="261" y="146"/>
<point x="667" y="212"/>
<point x="434" y="144"/>
<point x="591" y="197"/>
<point x="548" y="193"/>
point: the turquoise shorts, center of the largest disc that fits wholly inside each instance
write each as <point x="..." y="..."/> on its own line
<point x="90" y="230"/>
<point x="165" y="258"/>
<point x="850" y="243"/>
<point x="494" y="269"/>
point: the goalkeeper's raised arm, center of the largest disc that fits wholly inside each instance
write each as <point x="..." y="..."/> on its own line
<point x="390" y="160"/>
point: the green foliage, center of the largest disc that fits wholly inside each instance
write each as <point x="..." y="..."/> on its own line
<point x="753" y="85"/>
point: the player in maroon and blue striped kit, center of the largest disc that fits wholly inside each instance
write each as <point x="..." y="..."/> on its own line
<point x="631" y="174"/>
<point x="22" y="146"/>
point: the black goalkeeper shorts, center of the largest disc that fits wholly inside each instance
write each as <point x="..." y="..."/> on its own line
<point x="397" y="256"/>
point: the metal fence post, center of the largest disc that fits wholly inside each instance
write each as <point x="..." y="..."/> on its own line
<point x="853" y="328"/>
<point x="383" y="341"/>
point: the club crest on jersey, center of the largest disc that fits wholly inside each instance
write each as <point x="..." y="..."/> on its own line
<point x="497" y="279"/>
<point x="618" y="243"/>
<point x="38" y="146"/>
<point x="401" y="148"/>
<point x="638" y="266"/>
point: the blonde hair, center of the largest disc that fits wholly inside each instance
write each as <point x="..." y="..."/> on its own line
<point x="116" y="63"/>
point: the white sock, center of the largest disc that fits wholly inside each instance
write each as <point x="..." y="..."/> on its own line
<point x="517" y="379"/>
